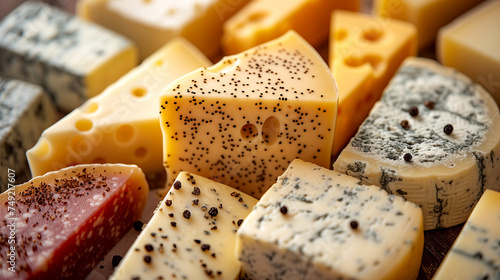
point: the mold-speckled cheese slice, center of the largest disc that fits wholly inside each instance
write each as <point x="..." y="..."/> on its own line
<point x="65" y="221"/>
<point x="433" y="138"/>
<point x="242" y="121"/>
<point x="192" y="235"/>
<point x="316" y="224"/>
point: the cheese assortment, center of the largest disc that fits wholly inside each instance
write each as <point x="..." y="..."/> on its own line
<point x="25" y="110"/>
<point x="243" y="120"/>
<point x="70" y="58"/>
<point x="120" y="125"/>
<point x="58" y="221"/>
<point x="433" y="138"/>
<point x="428" y="15"/>
<point x="476" y="252"/>
<point x="152" y="23"/>
<point x="364" y="53"/>
<point x="192" y="234"/>
<point x="315" y="223"/>
<point x="263" y="20"/>
<point x="467" y="45"/>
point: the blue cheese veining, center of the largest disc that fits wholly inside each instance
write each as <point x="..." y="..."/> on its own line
<point x="70" y="58"/>
<point x="433" y="138"/>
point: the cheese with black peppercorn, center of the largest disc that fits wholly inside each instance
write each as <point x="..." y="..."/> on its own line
<point x="243" y="120"/>
<point x="192" y="234"/>
<point x="316" y="223"/>
<point x="64" y="222"/>
<point x="25" y="111"/>
<point x="70" y="58"/>
<point x="433" y="138"/>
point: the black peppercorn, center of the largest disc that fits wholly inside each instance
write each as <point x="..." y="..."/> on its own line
<point x="448" y="129"/>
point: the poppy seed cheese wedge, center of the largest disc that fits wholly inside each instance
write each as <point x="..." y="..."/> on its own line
<point x="333" y="228"/>
<point x="433" y="138"/>
<point x="61" y="224"/>
<point x="192" y="234"/>
<point x="243" y="120"/>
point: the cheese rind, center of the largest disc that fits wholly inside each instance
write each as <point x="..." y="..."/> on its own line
<point x="70" y="58"/>
<point x="121" y="124"/>
<point x="243" y="120"/>
<point x="316" y="223"/>
<point x="365" y="52"/>
<point x="151" y="24"/>
<point x="192" y="234"/>
<point x="264" y="20"/>
<point x="467" y="45"/>
<point x="25" y="112"/>
<point x="433" y="139"/>
<point x="475" y="253"/>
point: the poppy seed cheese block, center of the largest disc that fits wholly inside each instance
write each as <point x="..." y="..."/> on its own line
<point x="25" y="111"/>
<point x="476" y="252"/>
<point x="65" y="221"/>
<point x="70" y="58"/>
<point x="192" y="234"/>
<point x="433" y="138"/>
<point x="243" y="120"/>
<point x="316" y="224"/>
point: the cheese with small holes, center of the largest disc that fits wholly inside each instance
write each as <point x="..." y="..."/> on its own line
<point x="427" y="15"/>
<point x="152" y="23"/>
<point x="365" y="52"/>
<point x="65" y="221"/>
<point x="263" y="20"/>
<point x="243" y="120"/>
<point x="120" y="125"/>
<point x="192" y="234"/>
<point x="25" y="111"/>
<point x="70" y="58"/>
<point x="476" y="251"/>
<point x="433" y="138"/>
<point x="468" y="45"/>
<point x="315" y="223"/>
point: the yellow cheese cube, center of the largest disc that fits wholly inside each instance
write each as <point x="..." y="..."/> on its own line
<point x="427" y="15"/>
<point x="152" y="23"/>
<point x="242" y="121"/>
<point x="365" y="52"/>
<point x="264" y="20"/>
<point x="471" y="44"/>
<point x="121" y="124"/>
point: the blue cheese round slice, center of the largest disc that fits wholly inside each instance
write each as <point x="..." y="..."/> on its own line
<point x="433" y="138"/>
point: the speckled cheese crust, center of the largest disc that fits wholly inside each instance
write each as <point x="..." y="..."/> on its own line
<point x="67" y="220"/>
<point x="242" y="121"/>
<point x="192" y="234"/>
<point x="120" y="125"/>
<point x="434" y="138"/>
<point x="70" y="58"/>
<point x="476" y="252"/>
<point x="316" y="223"/>
<point x="25" y="112"/>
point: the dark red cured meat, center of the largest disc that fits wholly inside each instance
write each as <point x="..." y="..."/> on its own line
<point x="69" y="219"/>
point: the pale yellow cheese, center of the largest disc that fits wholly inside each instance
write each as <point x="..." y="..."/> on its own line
<point x="192" y="234"/>
<point x="264" y="20"/>
<point x="152" y="23"/>
<point x="121" y="124"/>
<point x="427" y="15"/>
<point x="243" y="120"/>
<point x="476" y="252"/>
<point x="471" y="44"/>
<point x="365" y="52"/>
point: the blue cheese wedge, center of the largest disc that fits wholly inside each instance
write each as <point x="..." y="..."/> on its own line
<point x="476" y="252"/>
<point x="192" y="234"/>
<point x="25" y="111"/>
<point x="316" y="223"/>
<point x="433" y="138"/>
<point x="70" y="58"/>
